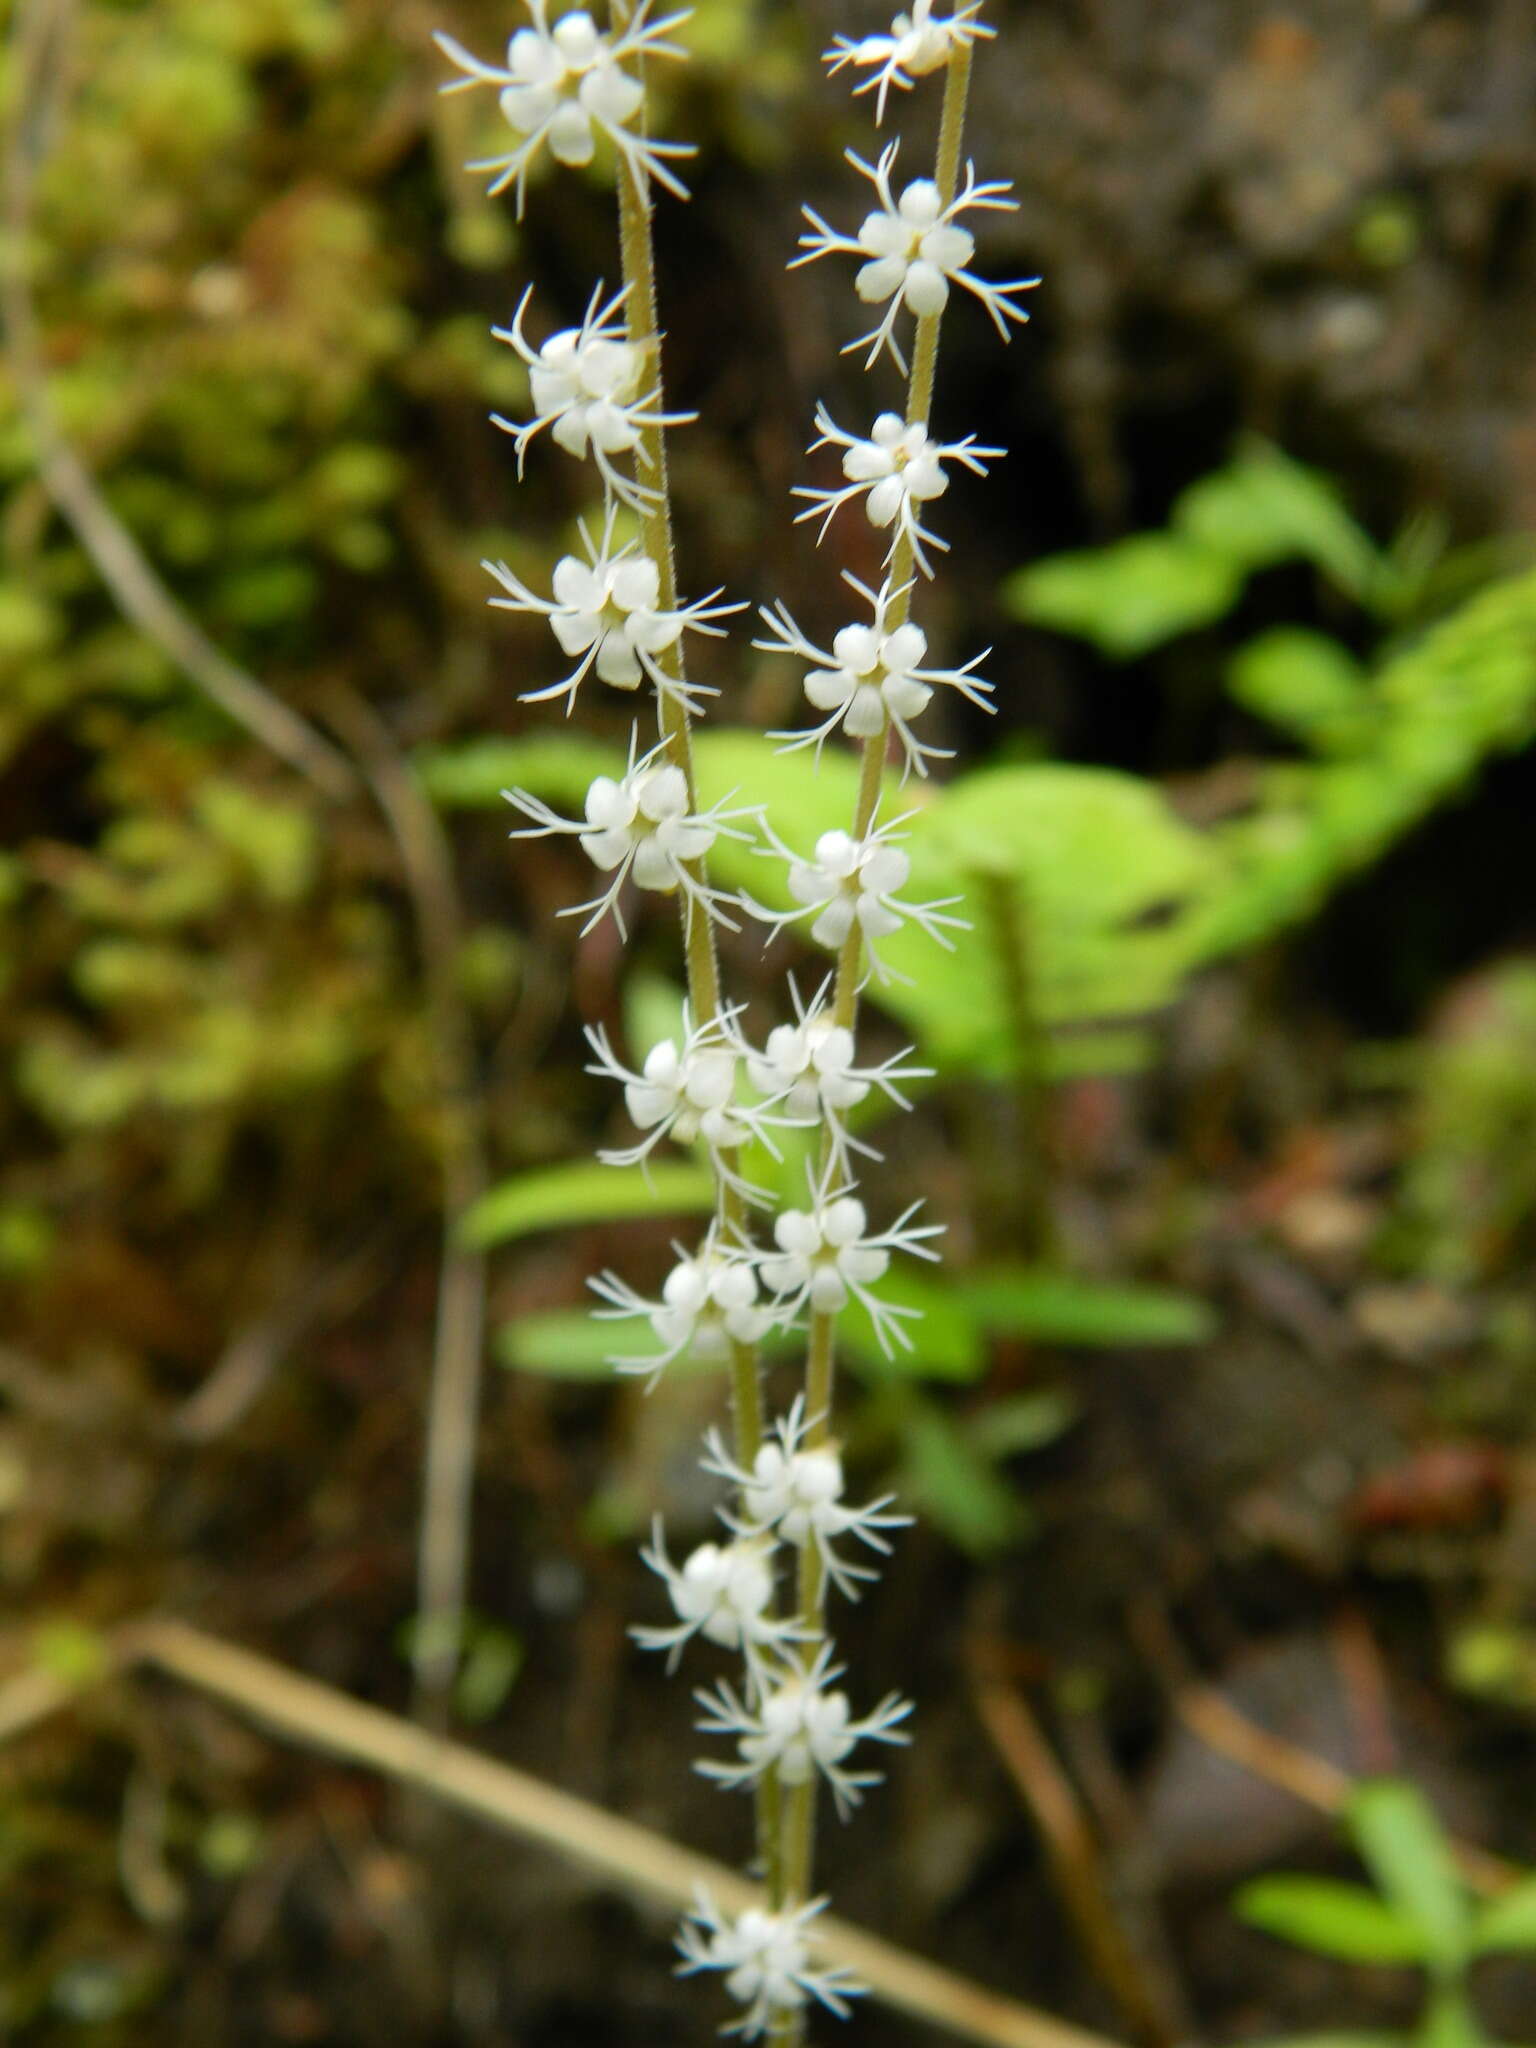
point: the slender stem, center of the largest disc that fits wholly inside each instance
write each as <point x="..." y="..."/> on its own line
<point x="638" y="259"/>
<point x="799" y="1823"/>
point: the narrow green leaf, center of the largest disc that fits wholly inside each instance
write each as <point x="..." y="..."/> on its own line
<point x="1330" y="1918"/>
<point x="955" y="1487"/>
<point x="1406" y="1851"/>
<point x="570" y="1344"/>
<point x="947" y="1342"/>
<point x="1450" y="2022"/>
<point x="557" y="1197"/>
<point x="1057" y="1308"/>
<point x="1023" y="1422"/>
<point x="1509" y="1921"/>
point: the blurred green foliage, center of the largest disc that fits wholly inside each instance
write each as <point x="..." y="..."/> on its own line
<point x="1418" y="1912"/>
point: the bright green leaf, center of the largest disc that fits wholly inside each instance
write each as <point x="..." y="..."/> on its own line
<point x="955" y="1487"/>
<point x="1130" y="597"/>
<point x="946" y="1341"/>
<point x="584" y="1191"/>
<point x="1405" y="1849"/>
<point x="1023" y="1422"/>
<point x="1304" y="683"/>
<point x="557" y="766"/>
<point x="1330" y="1918"/>
<point x="1509" y="1921"/>
<point x="1058" y="1308"/>
<point x="1266" y="508"/>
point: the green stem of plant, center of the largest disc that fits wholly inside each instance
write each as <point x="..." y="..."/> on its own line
<point x="638" y="259"/>
<point x="799" y="1806"/>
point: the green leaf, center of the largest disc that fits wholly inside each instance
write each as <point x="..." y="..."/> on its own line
<point x="1339" y="2041"/>
<point x="1023" y="1422"/>
<point x="1507" y="1922"/>
<point x="1450" y="2022"/>
<point x="955" y="1487"/>
<point x="585" y="1192"/>
<point x="1057" y="1308"/>
<point x="1405" y="1849"/>
<point x="570" y="1344"/>
<point x="947" y="1343"/>
<point x="1304" y="683"/>
<point x="1130" y="597"/>
<point x="1265" y="508"/>
<point x="556" y="766"/>
<point x="1330" y="1918"/>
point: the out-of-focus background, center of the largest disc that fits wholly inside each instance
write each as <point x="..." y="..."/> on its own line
<point x="1231" y="1389"/>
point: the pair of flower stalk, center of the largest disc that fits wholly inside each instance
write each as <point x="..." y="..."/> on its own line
<point x="597" y="389"/>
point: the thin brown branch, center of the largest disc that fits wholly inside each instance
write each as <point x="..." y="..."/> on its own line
<point x="640" y="1862"/>
<point x="1074" y="1856"/>
<point x="453" y="1402"/>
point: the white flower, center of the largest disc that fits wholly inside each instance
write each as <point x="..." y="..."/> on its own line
<point x="808" y="1070"/>
<point x="606" y="611"/>
<point x="723" y="1592"/>
<point x="797" y="1728"/>
<point x="914" y="250"/>
<point x="916" y="44"/>
<point x="585" y="384"/>
<point x="851" y="884"/>
<point x="641" y="826"/>
<point x="794" y="1490"/>
<point x="766" y="1962"/>
<point x="709" y="1301"/>
<point x="827" y="1256"/>
<point x="873" y="678"/>
<point x="560" y="86"/>
<point x="687" y="1090"/>
<point x="895" y="470"/>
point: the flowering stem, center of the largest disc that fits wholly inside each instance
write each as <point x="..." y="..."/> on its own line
<point x="638" y="260"/>
<point x="799" y="1822"/>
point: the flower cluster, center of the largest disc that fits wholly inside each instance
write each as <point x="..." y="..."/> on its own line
<point x="780" y="1255"/>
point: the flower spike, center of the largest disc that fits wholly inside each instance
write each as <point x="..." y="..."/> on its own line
<point x="585" y="384"/>
<point x="766" y="1962"/>
<point x="640" y="826"/>
<point x="605" y="611"/>
<point x="709" y="1301"/>
<point x="916" y="44"/>
<point x="563" y="86"/>
<point x="896" y="469"/>
<point x="914" y="250"/>
<point x="852" y="883"/>
<point x="873" y="678"/>
<point x="794" y="1490"/>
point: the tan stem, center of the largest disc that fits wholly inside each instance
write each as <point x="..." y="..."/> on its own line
<point x="638" y="261"/>
<point x="799" y="1823"/>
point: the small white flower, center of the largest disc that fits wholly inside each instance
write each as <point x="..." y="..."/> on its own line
<point x="873" y="678"/>
<point x="723" y="1592"/>
<point x="709" y="1301"/>
<point x="794" y="1490"/>
<point x="915" y="44"/>
<point x="898" y="468"/>
<point x="585" y="384"/>
<point x="686" y="1090"/>
<point x="914" y="249"/>
<point x="808" y="1070"/>
<point x="827" y="1256"/>
<point x="852" y="886"/>
<point x="797" y="1729"/>
<point x="562" y="86"/>
<point x="766" y="1962"/>
<point x="606" y="611"/>
<point x="641" y="826"/>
